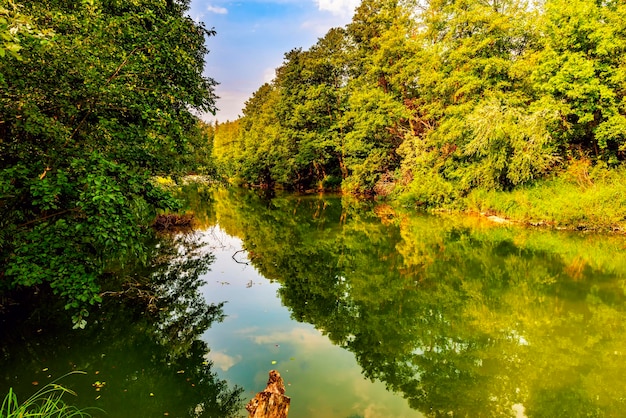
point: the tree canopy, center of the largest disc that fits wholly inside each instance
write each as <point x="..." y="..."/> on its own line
<point x="430" y="100"/>
<point x="95" y="97"/>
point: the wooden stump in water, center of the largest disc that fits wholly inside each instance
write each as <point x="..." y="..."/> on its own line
<point x="272" y="402"/>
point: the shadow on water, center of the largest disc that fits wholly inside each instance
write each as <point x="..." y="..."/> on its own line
<point x="140" y="350"/>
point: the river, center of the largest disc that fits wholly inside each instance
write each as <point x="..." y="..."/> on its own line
<point x="366" y="310"/>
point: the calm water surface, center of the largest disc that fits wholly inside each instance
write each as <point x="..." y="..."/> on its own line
<point x="259" y="334"/>
<point x="366" y="311"/>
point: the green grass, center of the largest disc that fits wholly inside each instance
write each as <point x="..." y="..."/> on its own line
<point x="576" y="198"/>
<point x="46" y="403"/>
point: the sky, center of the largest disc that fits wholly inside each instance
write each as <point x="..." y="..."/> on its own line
<point x="252" y="38"/>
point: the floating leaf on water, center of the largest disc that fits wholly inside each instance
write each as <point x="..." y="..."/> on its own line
<point x="292" y="358"/>
<point x="180" y="372"/>
<point x="35" y="383"/>
<point x="151" y="394"/>
<point x="44" y="370"/>
<point x="98" y="385"/>
<point x="274" y="362"/>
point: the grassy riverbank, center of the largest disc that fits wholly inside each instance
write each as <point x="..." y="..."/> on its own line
<point x="580" y="197"/>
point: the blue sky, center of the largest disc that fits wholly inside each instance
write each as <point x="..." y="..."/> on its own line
<point x="252" y="37"/>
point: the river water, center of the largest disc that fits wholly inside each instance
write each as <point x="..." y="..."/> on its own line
<point x="366" y="311"/>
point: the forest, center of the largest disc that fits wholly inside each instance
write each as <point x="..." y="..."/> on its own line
<point x="442" y="103"/>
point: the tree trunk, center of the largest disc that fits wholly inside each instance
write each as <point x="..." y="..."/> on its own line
<point x="272" y="402"/>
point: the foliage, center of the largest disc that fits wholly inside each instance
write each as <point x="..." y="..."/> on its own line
<point x="16" y="26"/>
<point x="320" y="120"/>
<point x="85" y="119"/>
<point x="442" y="97"/>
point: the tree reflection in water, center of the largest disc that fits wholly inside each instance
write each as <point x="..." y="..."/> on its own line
<point x="141" y="349"/>
<point x="462" y="318"/>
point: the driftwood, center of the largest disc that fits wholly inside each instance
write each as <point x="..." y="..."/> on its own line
<point x="272" y="402"/>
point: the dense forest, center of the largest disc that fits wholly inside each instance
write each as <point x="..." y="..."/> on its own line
<point x="96" y="97"/>
<point x="429" y="101"/>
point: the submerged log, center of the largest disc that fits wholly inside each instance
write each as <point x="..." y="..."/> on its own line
<point x="272" y="402"/>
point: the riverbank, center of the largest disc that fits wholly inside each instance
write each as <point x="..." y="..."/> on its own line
<point x="578" y="198"/>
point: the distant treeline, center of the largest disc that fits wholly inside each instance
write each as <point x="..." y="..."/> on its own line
<point x="431" y="99"/>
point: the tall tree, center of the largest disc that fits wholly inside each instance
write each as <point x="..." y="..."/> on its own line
<point x="85" y="119"/>
<point x="484" y="123"/>
<point x="376" y="114"/>
<point x="581" y="67"/>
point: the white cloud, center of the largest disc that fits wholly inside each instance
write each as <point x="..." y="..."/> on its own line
<point x="307" y="338"/>
<point x="320" y="26"/>
<point x="223" y="360"/>
<point x="217" y="9"/>
<point x="338" y="7"/>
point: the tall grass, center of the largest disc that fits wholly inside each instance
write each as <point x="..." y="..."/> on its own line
<point x="580" y="197"/>
<point x="46" y="403"/>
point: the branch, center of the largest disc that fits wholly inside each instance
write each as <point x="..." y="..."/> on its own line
<point x="237" y="261"/>
<point x="48" y="216"/>
<point x="111" y="78"/>
<point x="122" y="65"/>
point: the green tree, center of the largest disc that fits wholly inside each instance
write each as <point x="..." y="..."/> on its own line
<point x="226" y="147"/>
<point x="265" y="153"/>
<point x="312" y="102"/>
<point x="580" y="66"/>
<point x="376" y="118"/>
<point x="85" y="119"/>
<point x="482" y="122"/>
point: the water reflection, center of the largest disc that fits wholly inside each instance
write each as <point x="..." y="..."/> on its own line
<point x="460" y="317"/>
<point x="141" y="350"/>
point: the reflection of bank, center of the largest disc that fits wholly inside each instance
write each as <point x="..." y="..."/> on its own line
<point x="456" y="314"/>
<point x="259" y="334"/>
<point x="140" y="350"/>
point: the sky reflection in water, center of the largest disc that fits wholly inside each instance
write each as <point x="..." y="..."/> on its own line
<point x="321" y="378"/>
